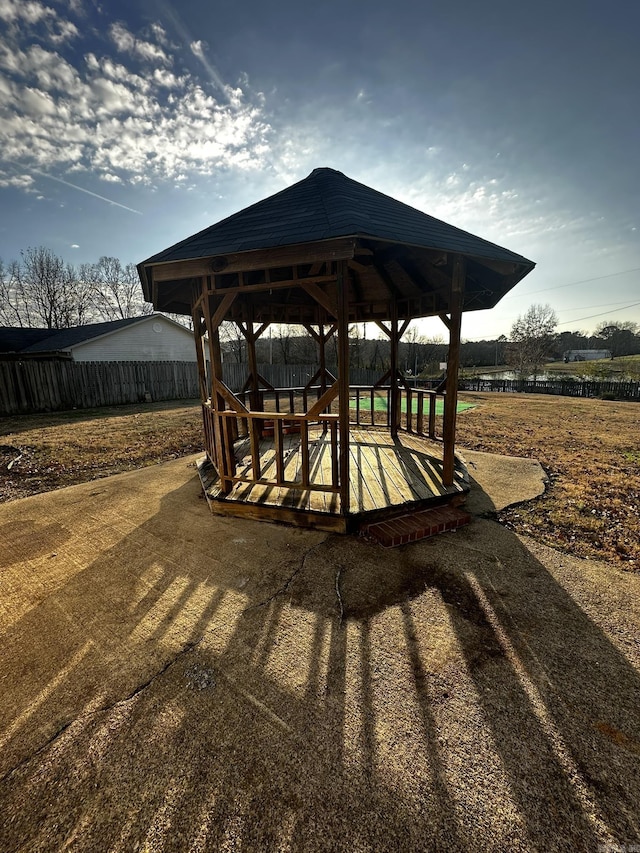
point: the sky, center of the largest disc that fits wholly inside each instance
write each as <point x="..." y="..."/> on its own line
<point x="125" y="127"/>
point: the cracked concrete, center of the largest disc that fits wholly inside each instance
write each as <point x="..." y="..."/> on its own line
<point x="176" y="681"/>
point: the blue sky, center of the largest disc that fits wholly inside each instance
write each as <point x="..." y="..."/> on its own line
<point x="127" y="127"/>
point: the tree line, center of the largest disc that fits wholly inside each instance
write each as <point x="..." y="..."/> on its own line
<point x="41" y="290"/>
<point x="534" y="341"/>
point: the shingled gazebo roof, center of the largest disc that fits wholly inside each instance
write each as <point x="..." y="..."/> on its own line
<point x="324" y="205"/>
<point x="394" y="246"/>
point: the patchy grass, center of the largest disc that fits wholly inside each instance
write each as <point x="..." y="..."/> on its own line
<point x="589" y="448"/>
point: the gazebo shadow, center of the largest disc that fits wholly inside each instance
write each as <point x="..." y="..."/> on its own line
<point x="315" y="692"/>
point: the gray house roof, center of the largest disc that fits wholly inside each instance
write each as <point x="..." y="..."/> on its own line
<point x="15" y="339"/>
<point x="62" y="339"/>
<point x="326" y="205"/>
<point x="18" y="340"/>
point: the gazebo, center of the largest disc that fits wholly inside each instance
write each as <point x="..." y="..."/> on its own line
<point x="326" y="253"/>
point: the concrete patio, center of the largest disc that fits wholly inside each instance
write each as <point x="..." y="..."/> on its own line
<point x="274" y="688"/>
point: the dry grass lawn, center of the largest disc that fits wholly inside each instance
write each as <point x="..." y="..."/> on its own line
<point x="51" y="451"/>
<point x="591" y="452"/>
<point x="589" y="448"/>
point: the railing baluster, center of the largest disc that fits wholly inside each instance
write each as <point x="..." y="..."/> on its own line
<point x="333" y="425"/>
<point x="432" y="415"/>
<point x="420" y="413"/>
<point x="277" y="436"/>
<point x="254" y="440"/>
<point x="304" y="450"/>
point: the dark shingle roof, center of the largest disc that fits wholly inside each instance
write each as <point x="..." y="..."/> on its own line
<point x="15" y="339"/>
<point x="62" y="339"/>
<point x="328" y="204"/>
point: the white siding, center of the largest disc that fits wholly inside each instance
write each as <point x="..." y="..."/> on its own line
<point x="155" y="339"/>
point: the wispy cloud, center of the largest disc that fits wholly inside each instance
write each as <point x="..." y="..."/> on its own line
<point x="126" y="42"/>
<point x="130" y="120"/>
<point x="197" y="47"/>
<point x="198" y="50"/>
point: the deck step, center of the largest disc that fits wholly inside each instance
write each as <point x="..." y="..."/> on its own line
<point x="416" y="525"/>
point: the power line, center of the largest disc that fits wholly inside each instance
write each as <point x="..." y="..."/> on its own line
<point x="573" y="283"/>
<point x="601" y="305"/>
<point x="602" y="314"/>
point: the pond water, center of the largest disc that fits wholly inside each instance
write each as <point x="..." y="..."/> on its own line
<point x="511" y="374"/>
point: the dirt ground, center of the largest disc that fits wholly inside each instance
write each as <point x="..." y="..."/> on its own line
<point x="173" y="681"/>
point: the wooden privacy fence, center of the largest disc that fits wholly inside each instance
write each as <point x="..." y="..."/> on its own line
<point x="563" y="387"/>
<point x="49" y="385"/>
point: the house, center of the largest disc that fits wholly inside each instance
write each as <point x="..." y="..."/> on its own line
<point x="153" y="337"/>
<point x="585" y="355"/>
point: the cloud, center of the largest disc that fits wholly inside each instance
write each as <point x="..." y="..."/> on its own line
<point x="23" y="182"/>
<point x="128" y="120"/>
<point x="33" y="16"/>
<point x="126" y="42"/>
<point x="197" y="49"/>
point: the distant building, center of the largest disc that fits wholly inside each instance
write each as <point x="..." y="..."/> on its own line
<point x="152" y="337"/>
<point x="585" y="355"/>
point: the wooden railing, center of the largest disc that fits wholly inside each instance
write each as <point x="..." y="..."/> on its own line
<point x="284" y="399"/>
<point x="369" y="411"/>
<point x="311" y="473"/>
<point x="415" y="421"/>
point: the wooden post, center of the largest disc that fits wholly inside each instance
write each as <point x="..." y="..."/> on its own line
<point x="323" y="366"/>
<point x="217" y="401"/>
<point x="453" y="362"/>
<point x="343" y="383"/>
<point x="394" y="402"/>
<point x="254" y="396"/>
<point x="200" y="355"/>
<point x="323" y="359"/>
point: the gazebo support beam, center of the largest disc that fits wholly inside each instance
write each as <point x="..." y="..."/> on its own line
<point x="223" y="453"/>
<point x="395" y="396"/>
<point x="453" y="362"/>
<point x="343" y="383"/>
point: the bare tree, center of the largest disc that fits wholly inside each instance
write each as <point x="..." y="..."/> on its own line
<point x="115" y="289"/>
<point x="531" y="339"/>
<point x="357" y="337"/>
<point x="233" y="341"/>
<point x="49" y="291"/>
<point x="14" y="307"/>
<point x="284" y="342"/>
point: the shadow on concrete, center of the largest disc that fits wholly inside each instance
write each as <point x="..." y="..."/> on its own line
<point x="210" y="684"/>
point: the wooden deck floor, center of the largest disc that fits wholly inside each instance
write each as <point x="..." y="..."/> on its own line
<point x="384" y="473"/>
